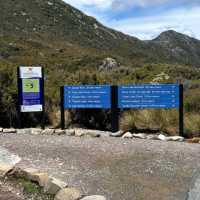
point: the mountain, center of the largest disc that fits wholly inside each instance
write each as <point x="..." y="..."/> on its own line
<point x="73" y="47"/>
<point x="53" y="22"/>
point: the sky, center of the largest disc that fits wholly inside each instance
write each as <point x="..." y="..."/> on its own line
<point x="145" y="19"/>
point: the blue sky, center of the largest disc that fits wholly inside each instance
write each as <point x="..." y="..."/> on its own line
<point x="145" y="19"/>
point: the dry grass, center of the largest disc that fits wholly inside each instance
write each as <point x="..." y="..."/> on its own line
<point x="152" y="120"/>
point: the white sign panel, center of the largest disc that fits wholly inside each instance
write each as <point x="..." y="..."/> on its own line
<point x="30" y="72"/>
<point x="32" y="108"/>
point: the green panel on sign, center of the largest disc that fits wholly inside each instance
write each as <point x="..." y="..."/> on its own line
<point x="31" y="85"/>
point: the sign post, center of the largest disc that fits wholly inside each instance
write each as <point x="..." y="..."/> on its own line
<point x="181" y="112"/>
<point x="30" y="92"/>
<point x="62" y="108"/>
<point x="114" y="109"/>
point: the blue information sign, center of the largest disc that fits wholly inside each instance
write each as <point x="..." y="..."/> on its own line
<point x="87" y="96"/>
<point x="148" y="96"/>
<point x="31" y="89"/>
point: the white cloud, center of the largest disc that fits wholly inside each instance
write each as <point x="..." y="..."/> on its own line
<point x="97" y="4"/>
<point x="144" y="27"/>
<point x="181" y="20"/>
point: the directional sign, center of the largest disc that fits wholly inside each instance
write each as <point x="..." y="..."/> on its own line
<point x="87" y="96"/>
<point x="148" y="96"/>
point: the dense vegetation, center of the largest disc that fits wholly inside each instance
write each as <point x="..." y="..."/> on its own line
<point x="71" y="46"/>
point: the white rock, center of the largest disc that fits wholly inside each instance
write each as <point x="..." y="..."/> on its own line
<point x="54" y="185"/>
<point x="94" y="197"/>
<point x="79" y="133"/>
<point x="140" y="136"/>
<point x="4" y="169"/>
<point x="152" y="137"/>
<point x="70" y="132"/>
<point x="48" y="131"/>
<point x="162" y="137"/>
<point x="175" y="138"/>
<point x="9" y="130"/>
<point x="127" y="135"/>
<point x="24" y="131"/>
<point x="92" y="134"/>
<point x="1" y="130"/>
<point x="68" y="194"/>
<point x="59" y="132"/>
<point x="36" y="131"/>
<point x="117" y="134"/>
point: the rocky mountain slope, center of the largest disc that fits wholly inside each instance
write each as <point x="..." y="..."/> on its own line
<point x="54" y="22"/>
<point x="75" y="48"/>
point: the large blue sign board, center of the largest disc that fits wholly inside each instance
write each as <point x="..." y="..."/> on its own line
<point x="148" y="96"/>
<point x="87" y="96"/>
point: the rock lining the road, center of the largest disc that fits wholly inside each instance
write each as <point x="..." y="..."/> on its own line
<point x="50" y="185"/>
<point x="78" y="132"/>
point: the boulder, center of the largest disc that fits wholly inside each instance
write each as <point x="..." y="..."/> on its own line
<point x="9" y="130"/>
<point x="94" y="197"/>
<point x="162" y="137"/>
<point x="79" y="133"/>
<point x="152" y="137"/>
<point x="41" y="178"/>
<point x="54" y="185"/>
<point x="24" y="131"/>
<point x="36" y="131"/>
<point x="109" y="64"/>
<point x="68" y="194"/>
<point x="59" y="132"/>
<point x="175" y="138"/>
<point x="70" y="132"/>
<point x="117" y="134"/>
<point x="92" y="134"/>
<point x="140" y="136"/>
<point x="1" y="130"/>
<point x="5" y="169"/>
<point x="128" y="135"/>
<point x="48" y="131"/>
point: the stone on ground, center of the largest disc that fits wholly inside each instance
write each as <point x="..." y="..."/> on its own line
<point x="127" y="135"/>
<point x="59" y="132"/>
<point x="4" y="169"/>
<point x="162" y="137"/>
<point x="94" y="197"/>
<point x="1" y="130"/>
<point x="79" y="133"/>
<point x="117" y="134"/>
<point x="140" y="136"/>
<point x="9" y="130"/>
<point x="70" y="132"/>
<point x="68" y="194"/>
<point x="175" y="138"/>
<point x="48" y="131"/>
<point x="36" y="131"/>
<point x="54" y="185"/>
<point x="92" y="134"/>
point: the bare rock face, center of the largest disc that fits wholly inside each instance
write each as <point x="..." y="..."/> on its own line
<point x="68" y="194"/>
<point x="94" y="197"/>
<point x="109" y="64"/>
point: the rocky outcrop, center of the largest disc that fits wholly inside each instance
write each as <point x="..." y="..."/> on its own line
<point x="109" y="64"/>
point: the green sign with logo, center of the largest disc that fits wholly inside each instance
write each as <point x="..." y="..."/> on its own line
<point x="31" y="85"/>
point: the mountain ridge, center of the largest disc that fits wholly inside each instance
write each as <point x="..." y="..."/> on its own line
<point x="56" y="22"/>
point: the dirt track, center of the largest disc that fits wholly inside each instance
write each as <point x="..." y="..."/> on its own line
<point x="118" y="168"/>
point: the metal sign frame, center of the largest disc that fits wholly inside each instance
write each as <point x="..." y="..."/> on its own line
<point x="115" y="109"/>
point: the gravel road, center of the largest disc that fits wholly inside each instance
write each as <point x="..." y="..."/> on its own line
<point x="118" y="168"/>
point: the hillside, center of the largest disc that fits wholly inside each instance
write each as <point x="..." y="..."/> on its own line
<point x="57" y="23"/>
<point x="71" y="47"/>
